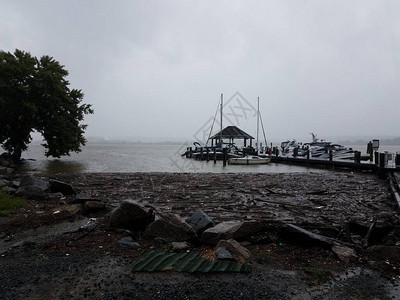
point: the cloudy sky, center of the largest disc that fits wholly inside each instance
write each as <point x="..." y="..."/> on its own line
<point x="157" y="68"/>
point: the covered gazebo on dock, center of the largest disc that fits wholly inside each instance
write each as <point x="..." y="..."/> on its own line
<point x="231" y="133"/>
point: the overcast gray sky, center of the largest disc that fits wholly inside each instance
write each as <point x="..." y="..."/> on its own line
<point x="157" y="68"/>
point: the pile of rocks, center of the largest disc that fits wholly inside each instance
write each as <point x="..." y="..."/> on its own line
<point x="32" y="187"/>
<point x="199" y="229"/>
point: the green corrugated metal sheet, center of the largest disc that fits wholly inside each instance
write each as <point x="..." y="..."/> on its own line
<point x="185" y="262"/>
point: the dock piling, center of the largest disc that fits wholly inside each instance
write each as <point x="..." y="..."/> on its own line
<point x="224" y="155"/>
<point x="382" y="160"/>
<point x="215" y="156"/>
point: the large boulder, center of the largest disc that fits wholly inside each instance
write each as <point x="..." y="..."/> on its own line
<point x="237" y="230"/>
<point x="221" y="231"/>
<point x="31" y="192"/>
<point x="172" y="228"/>
<point x="32" y="187"/>
<point x="236" y="249"/>
<point x="61" y="187"/>
<point x="132" y="214"/>
<point x="200" y="221"/>
<point x="30" y="180"/>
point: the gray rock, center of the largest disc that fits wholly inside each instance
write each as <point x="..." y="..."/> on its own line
<point x="235" y="248"/>
<point x="247" y="229"/>
<point x="29" y="180"/>
<point x="171" y="228"/>
<point x="221" y="231"/>
<point x="180" y="246"/>
<point x="6" y="171"/>
<point x="344" y="253"/>
<point x="4" y="182"/>
<point x="31" y="192"/>
<point x="132" y="215"/>
<point x="200" y="221"/>
<point x="302" y="236"/>
<point x="128" y="242"/>
<point x="61" y="187"/>
<point x="223" y="254"/>
<point x="93" y="206"/>
<point x="237" y="230"/>
<point x="9" y="190"/>
<point x="15" y="184"/>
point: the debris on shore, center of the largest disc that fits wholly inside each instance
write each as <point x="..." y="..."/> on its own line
<point x="329" y="222"/>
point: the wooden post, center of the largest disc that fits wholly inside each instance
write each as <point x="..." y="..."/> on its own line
<point x="330" y="155"/>
<point x="397" y="161"/>
<point x="308" y="153"/>
<point x="187" y="152"/>
<point x="190" y="152"/>
<point x="215" y="156"/>
<point x="224" y="156"/>
<point x="201" y="153"/>
<point x="376" y="158"/>
<point x="295" y="152"/>
<point x="357" y="157"/>
<point x="371" y="156"/>
<point x="382" y="160"/>
<point x="208" y="154"/>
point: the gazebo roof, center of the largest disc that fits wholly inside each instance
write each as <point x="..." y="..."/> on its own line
<point x="232" y="132"/>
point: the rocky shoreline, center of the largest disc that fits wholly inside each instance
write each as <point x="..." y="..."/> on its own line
<point x="303" y="236"/>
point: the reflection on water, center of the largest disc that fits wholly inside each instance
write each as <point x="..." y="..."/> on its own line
<point x="59" y="166"/>
<point x="140" y="158"/>
<point x="54" y="166"/>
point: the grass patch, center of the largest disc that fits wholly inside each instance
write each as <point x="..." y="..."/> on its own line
<point x="8" y="204"/>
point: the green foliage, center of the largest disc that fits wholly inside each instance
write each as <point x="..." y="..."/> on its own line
<point x="34" y="95"/>
<point x="9" y="204"/>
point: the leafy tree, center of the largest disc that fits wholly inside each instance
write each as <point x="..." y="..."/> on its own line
<point x="34" y="95"/>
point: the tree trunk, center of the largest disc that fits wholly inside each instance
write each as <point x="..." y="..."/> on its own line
<point x="16" y="155"/>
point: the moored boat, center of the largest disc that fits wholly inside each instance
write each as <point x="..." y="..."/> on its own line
<point x="249" y="160"/>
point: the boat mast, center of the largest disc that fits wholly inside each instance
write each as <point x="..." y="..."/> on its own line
<point x="222" y="103"/>
<point x="258" y="119"/>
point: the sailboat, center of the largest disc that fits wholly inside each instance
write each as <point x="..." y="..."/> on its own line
<point x="252" y="159"/>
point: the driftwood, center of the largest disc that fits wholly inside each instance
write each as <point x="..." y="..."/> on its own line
<point x="368" y="235"/>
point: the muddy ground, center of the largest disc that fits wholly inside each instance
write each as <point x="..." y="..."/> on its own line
<point x="51" y="249"/>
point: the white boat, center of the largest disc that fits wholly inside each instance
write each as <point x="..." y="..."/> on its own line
<point x="249" y="160"/>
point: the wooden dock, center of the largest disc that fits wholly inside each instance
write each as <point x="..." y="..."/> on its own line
<point x="379" y="166"/>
